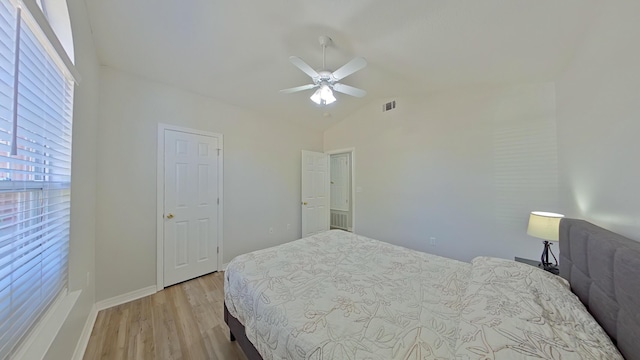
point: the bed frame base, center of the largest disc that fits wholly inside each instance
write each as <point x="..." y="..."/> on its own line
<point x="237" y="333"/>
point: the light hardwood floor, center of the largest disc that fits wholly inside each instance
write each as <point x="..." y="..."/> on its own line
<point x="184" y="321"/>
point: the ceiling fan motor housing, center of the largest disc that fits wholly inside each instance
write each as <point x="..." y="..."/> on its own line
<point x="325" y="76"/>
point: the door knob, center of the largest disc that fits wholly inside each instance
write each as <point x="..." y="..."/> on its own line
<point x="170" y="216"/>
<point x="304" y="203"/>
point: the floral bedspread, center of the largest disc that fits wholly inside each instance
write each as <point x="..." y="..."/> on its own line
<point x="337" y="295"/>
<point x="515" y="311"/>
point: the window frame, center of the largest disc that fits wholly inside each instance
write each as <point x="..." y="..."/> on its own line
<point x="48" y="232"/>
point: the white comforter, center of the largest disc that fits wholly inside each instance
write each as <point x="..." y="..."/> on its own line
<point x="340" y="296"/>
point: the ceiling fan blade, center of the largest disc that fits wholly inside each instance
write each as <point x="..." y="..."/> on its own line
<point x="349" y="90"/>
<point x="349" y="68"/>
<point x="298" y="88"/>
<point x="304" y="67"/>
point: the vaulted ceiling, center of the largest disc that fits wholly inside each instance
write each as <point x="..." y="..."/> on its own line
<point x="237" y="51"/>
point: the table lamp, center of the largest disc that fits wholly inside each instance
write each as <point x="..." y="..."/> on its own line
<point x="545" y="225"/>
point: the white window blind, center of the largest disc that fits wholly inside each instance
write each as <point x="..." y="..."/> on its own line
<point x="36" y="97"/>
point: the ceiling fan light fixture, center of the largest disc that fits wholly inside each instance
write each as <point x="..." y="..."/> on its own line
<point x="316" y="97"/>
<point x="323" y="96"/>
<point x="327" y="94"/>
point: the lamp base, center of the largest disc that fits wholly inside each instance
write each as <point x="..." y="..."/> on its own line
<point x="544" y="259"/>
<point x="551" y="268"/>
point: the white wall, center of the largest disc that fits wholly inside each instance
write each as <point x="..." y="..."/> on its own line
<point x="599" y="123"/>
<point x="465" y="167"/>
<point x="262" y="159"/>
<point x="83" y="188"/>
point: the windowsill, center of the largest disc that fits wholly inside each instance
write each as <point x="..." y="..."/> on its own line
<point x="40" y="339"/>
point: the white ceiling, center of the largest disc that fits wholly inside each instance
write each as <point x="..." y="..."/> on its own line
<point x="237" y="51"/>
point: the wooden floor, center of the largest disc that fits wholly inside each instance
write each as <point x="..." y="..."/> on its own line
<point x="184" y="321"/>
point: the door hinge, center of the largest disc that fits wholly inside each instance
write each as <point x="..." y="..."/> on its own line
<point x="218" y="152"/>
<point x="218" y="249"/>
<point x="218" y="201"/>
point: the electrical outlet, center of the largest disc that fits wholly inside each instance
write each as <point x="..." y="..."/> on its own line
<point x="432" y="241"/>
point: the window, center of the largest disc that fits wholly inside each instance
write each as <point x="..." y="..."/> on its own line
<point x="36" y="102"/>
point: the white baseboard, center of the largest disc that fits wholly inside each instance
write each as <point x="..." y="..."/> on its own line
<point x="224" y="266"/>
<point x="81" y="346"/>
<point x="125" y="298"/>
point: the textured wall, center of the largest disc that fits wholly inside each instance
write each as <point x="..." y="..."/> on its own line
<point x="465" y="167"/>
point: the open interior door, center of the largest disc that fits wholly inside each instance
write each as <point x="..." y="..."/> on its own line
<point x="315" y="192"/>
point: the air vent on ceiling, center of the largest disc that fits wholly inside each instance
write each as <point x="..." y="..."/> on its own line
<point x="389" y="106"/>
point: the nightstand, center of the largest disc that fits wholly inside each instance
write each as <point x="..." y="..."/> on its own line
<point x="536" y="263"/>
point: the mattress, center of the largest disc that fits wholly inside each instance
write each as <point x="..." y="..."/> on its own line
<point x="337" y="295"/>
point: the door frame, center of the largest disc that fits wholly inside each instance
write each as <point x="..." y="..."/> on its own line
<point x="160" y="196"/>
<point x="351" y="151"/>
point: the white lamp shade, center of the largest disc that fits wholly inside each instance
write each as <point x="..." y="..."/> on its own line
<point x="316" y="97"/>
<point x="327" y="95"/>
<point x="544" y="225"/>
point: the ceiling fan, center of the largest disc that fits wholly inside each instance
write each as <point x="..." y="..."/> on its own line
<point x="327" y="81"/>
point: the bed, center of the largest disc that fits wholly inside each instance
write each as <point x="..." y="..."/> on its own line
<point x="337" y="295"/>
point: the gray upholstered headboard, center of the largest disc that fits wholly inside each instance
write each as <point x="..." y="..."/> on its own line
<point x="604" y="271"/>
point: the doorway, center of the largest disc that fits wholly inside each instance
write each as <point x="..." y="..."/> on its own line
<point x="328" y="195"/>
<point x="341" y="190"/>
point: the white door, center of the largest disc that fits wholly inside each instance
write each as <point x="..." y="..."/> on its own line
<point x="315" y="192"/>
<point x="190" y="206"/>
